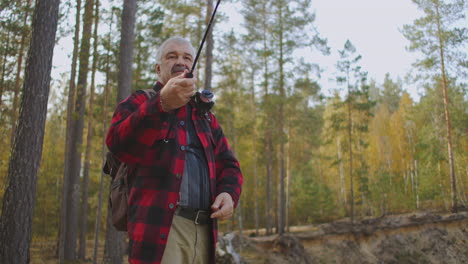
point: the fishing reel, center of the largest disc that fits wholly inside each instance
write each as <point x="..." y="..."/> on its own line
<point x="203" y="101"/>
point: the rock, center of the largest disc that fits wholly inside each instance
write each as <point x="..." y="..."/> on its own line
<point x="227" y="249"/>
<point x="291" y="247"/>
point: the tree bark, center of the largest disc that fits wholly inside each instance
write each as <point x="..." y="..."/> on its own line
<point x="126" y="49"/>
<point x="113" y="249"/>
<point x="24" y="36"/>
<point x="77" y="136"/>
<point x="68" y="139"/>
<point x="350" y="150"/>
<point x="104" y="130"/>
<point x="4" y="62"/>
<point x="89" y="141"/>
<point x="268" y="151"/>
<point x="254" y="144"/>
<point x="199" y="33"/>
<point x="341" y="169"/>
<point x="114" y="239"/>
<point x="20" y="194"/>
<point x="453" y="178"/>
<point x="416" y="181"/>
<point x="288" y="175"/>
<point x="268" y="143"/>
<point x="209" y="46"/>
<point x="282" y="199"/>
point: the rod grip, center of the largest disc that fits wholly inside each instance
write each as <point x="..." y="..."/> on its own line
<point x="189" y="75"/>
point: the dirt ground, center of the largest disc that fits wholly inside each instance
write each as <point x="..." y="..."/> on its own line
<point x="411" y="238"/>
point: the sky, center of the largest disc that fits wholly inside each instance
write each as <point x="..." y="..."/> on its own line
<point x="371" y="25"/>
<point x="373" y="28"/>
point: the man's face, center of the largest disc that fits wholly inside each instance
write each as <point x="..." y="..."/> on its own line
<point x="176" y="58"/>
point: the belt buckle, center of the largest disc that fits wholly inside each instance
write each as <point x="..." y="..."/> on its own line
<point x="196" y="218"/>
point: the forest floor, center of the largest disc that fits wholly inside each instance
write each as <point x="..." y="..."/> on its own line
<point x="409" y="238"/>
<point x="44" y="252"/>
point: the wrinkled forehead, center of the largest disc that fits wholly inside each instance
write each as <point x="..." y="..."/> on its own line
<point x="178" y="47"/>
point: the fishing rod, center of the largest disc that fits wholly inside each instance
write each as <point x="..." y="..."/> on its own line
<point x="190" y="74"/>
<point x="204" y="99"/>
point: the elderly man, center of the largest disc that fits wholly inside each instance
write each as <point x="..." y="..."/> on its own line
<point x="185" y="174"/>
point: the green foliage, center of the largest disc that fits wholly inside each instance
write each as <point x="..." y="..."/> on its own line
<point x="348" y="120"/>
<point x="391" y="93"/>
<point x="398" y="146"/>
<point x="15" y="17"/>
<point x="149" y="26"/>
<point x="432" y="147"/>
<point x="312" y="201"/>
<point x="47" y="210"/>
<point x="439" y="30"/>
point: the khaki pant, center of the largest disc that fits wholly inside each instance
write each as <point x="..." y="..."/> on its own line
<point x="188" y="243"/>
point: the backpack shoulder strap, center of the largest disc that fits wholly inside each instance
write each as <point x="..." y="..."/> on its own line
<point x="149" y="92"/>
<point x="111" y="164"/>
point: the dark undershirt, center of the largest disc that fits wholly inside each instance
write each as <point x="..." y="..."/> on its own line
<point x="195" y="186"/>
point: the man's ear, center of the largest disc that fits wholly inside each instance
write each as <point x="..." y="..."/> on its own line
<point x="157" y="69"/>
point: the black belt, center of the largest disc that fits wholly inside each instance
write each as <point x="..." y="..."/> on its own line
<point x="200" y="217"/>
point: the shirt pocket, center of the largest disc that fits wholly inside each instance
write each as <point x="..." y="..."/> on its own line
<point x="165" y="142"/>
<point x="164" y="128"/>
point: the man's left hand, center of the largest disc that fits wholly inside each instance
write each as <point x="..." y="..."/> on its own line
<point x="223" y="206"/>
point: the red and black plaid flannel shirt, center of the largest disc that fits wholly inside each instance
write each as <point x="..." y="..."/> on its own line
<point x="154" y="141"/>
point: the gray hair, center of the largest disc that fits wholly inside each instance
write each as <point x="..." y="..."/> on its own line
<point x="178" y="39"/>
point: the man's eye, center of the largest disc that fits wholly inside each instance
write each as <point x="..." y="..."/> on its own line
<point x="188" y="58"/>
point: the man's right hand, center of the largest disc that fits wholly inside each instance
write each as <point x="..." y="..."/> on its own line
<point x="177" y="91"/>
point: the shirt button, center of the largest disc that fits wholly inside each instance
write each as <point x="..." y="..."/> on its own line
<point x="182" y="148"/>
<point x="182" y="123"/>
<point x="171" y="206"/>
<point x="163" y="236"/>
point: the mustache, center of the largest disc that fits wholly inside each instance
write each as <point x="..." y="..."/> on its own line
<point x="178" y="68"/>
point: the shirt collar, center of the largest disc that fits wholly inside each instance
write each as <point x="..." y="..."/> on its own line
<point x="158" y="86"/>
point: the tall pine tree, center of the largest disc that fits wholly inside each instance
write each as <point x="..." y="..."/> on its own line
<point x="19" y="200"/>
<point x="442" y="44"/>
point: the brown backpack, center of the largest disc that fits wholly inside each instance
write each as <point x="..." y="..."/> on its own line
<point x="122" y="178"/>
<point x="121" y="174"/>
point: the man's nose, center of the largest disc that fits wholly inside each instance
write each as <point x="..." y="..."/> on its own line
<point x="180" y="60"/>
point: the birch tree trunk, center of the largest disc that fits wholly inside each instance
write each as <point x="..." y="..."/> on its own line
<point x="342" y="178"/>
<point x="4" y="62"/>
